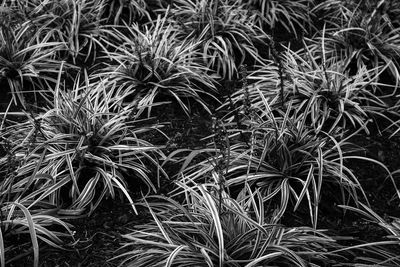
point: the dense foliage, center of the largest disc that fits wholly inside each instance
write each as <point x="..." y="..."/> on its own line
<point x="231" y="123"/>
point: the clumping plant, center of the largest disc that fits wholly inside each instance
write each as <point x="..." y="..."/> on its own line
<point x="285" y="159"/>
<point x="335" y="12"/>
<point x="225" y="31"/>
<point x="282" y="92"/>
<point x="78" y="24"/>
<point x="12" y="16"/>
<point x="329" y="96"/>
<point x="291" y="16"/>
<point x="209" y="231"/>
<point x="122" y="11"/>
<point x="246" y="97"/>
<point x="338" y="12"/>
<point x="363" y="40"/>
<point x="27" y="67"/>
<point x="152" y="65"/>
<point x="81" y="150"/>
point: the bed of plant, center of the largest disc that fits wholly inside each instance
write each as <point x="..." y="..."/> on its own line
<point x="199" y="133"/>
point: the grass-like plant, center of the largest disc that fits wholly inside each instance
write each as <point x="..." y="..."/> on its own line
<point x="258" y="78"/>
<point x="25" y="224"/>
<point x="291" y="16"/>
<point x="338" y="12"/>
<point x="329" y="95"/>
<point x="76" y="24"/>
<point x="18" y="220"/>
<point x="26" y="67"/>
<point x="363" y="40"/>
<point x="82" y="150"/>
<point x="122" y="11"/>
<point x="281" y="142"/>
<point x="392" y="228"/>
<point x="335" y="12"/>
<point x="226" y="33"/>
<point x="12" y="16"/>
<point x="384" y="250"/>
<point x="285" y="159"/>
<point x="153" y="65"/>
<point x="291" y="155"/>
<point x="210" y="231"/>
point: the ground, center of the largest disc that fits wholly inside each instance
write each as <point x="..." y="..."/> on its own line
<point x="99" y="238"/>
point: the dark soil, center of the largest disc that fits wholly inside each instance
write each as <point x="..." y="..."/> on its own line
<point x="97" y="239"/>
<point x="378" y="187"/>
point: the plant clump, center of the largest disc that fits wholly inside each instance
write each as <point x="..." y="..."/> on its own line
<point x="201" y="133"/>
